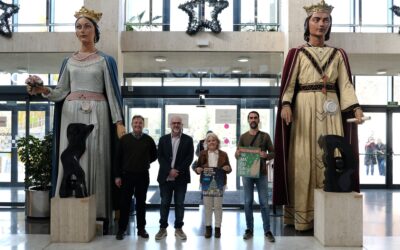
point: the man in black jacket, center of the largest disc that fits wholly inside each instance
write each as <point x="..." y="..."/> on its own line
<point x="175" y="155"/>
<point x="135" y="152"/>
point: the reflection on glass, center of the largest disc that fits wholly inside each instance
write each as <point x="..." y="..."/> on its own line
<point x="369" y="134"/>
<point x="221" y="119"/>
<point x="396" y="149"/>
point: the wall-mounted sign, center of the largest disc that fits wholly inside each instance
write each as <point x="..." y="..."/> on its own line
<point x="225" y="116"/>
<point x="3" y="121"/>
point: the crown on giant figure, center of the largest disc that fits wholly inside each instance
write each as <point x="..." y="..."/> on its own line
<point x="84" y="12"/>
<point x="321" y="7"/>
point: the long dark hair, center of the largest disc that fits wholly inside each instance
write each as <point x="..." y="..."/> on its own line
<point x="96" y="28"/>
<point x="307" y="29"/>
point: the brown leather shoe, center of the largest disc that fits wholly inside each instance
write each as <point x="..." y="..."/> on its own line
<point x="208" y="232"/>
<point x="217" y="233"/>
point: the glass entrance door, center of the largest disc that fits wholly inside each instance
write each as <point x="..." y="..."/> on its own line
<point x="13" y="119"/>
<point x="225" y="117"/>
<point x="396" y="149"/>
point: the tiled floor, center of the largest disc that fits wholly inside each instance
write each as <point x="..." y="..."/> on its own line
<point x="381" y="230"/>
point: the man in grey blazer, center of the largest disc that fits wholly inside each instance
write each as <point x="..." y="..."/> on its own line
<point x="175" y="155"/>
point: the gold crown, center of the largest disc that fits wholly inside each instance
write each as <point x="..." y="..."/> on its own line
<point x="83" y="12"/>
<point x="321" y="7"/>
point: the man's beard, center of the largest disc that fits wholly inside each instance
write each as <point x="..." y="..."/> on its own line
<point x="253" y="125"/>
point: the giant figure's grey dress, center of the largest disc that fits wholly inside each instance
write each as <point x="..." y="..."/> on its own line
<point x="89" y="75"/>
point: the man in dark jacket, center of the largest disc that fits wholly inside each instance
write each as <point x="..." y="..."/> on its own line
<point x="135" y="152"/>
<point x="175" y="155"/>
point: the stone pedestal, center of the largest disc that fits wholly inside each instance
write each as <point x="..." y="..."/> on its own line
<point x="338" y="218"/>
<point x="73" y="219"/>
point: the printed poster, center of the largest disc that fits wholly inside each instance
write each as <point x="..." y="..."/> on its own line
<point x="212" y="182"/>
<point x="249" y="162"/>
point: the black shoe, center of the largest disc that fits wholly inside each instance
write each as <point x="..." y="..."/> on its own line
<point x="270" y="236"/>
<point x="248" y="234"/>
<point x="120" y="235"/>
<point x="143" y="233"/>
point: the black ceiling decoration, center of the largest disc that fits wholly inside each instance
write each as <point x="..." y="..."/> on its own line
<point x="8" y="11"/>
<point x="396" y="11"/>
<point x="196" y="21"/>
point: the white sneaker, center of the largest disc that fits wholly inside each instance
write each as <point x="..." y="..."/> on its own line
<point x="180" y="234"/>
<point x="162" y="233"/>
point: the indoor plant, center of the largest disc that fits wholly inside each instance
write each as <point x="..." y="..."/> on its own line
<point x="36" y="155"/>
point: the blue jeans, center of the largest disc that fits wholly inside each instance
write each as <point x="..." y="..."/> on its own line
<point x="168" y="189"/>
<point x="262" y="189"/>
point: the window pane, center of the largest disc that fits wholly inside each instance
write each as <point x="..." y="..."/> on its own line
<point x="64" y="14"/>
<point x="32" y="12"/>
<point x="267" y="11"/>
<point x="5" y="79"/>
<point x="136" y="7"/>
<point x="396" y="149"/>
<point x="247" y="11"/>
<point x="372" y="90"/>
<point x="262" y="82"/>
<point x="179" y="19"/>
<point x="396" y="89"/>
<point x="171" y="81"/>
<point x="370" y="10"/>
<point x="138" y="15"/>
<point x="143" y="81"/>
<point x="343" y="12"/>
<point x="220" y="82"/>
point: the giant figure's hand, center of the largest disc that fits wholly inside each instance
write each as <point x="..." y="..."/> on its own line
<point x="34" y="85"/>
<point x="120" y="129"/>
<point x="286" y="114"/>
<point x="359" y="114"/>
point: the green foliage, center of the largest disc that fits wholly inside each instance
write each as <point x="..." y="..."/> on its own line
<point x="135" y="23"/>
<point x="36" y="155"/>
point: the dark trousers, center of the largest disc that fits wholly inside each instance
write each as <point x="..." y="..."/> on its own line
<point x="178" y="190"/>
<point x="133" y="184"/>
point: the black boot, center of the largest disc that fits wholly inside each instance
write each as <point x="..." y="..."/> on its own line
<point x="217" y="233"/>
<point x="208" y="232"/>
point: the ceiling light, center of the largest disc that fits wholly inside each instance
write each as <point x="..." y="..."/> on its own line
<point x="236" y="71"/>
<point x="22" y="70"/>
<point x="202" y="72"/>
<point x="160" y="59"/>
<point x="165" y="70"/>
<point x="243" y="59"/>
<point x="381" y="72"/>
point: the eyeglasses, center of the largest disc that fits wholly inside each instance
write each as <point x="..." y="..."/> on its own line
<point x="176" y="123"/>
